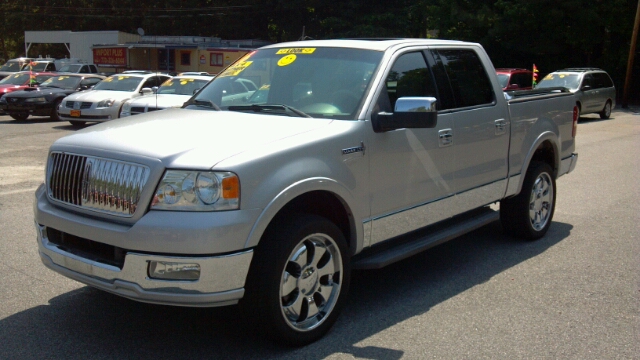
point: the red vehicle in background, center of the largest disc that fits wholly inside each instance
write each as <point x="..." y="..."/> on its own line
<point x="515" y="79"/>
<point x="22" y="80"/>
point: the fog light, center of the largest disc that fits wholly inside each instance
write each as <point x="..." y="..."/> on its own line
<point x="173" y="271"/>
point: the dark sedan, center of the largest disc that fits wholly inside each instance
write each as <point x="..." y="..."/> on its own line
<point x="44" y="100"/>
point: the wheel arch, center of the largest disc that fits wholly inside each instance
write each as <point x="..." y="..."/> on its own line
<point x="320" y="196"/>
<point x="545" y="149"/>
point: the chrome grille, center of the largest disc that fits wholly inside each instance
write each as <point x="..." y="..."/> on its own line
<point x="98" y="184"/>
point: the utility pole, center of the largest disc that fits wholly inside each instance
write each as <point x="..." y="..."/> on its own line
<point x="632" y="52"/>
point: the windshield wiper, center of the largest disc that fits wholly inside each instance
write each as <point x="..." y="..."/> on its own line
<point x="206" y="103"/>
<point x="267" y="108"/>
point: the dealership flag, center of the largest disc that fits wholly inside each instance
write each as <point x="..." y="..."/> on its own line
<point x="535" y="75"/>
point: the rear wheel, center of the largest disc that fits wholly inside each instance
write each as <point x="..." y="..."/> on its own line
<point x="54" y="112"/>
<point x="606" y="111"/>
<point x="298" y="280"/>
<point x="528" y="215"/>
<point x="19" y="115"/>
<point x="77" y="124"/>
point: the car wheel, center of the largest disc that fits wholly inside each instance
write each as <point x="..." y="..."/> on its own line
<point x="579" y="112"/>
<point x="54" y="112"/>
<point x="298" y="280"/>
<point x="606" y="111"/>
<point x="528" y="215"/>
<point x="19" y="115"/>
<point x="77" y="124"/>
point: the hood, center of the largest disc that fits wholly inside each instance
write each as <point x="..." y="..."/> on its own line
<point x="40" y="91"/>
<point x="160" y="101"/>
<point x="98" y="95"/>
<point x="185" y="138"/>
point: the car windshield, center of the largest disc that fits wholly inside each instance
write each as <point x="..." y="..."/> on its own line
<point x="10" y="66"/>
<point x="64" y="82"/>
<point x="23" y="79"/>
<point x="503" y="79"/>
<point x="567" y="80"/>
<point x="119" y="83"/>
<point x="35" y="66"/>
<point x="181" y="86"/>
<point x="319" y="82"/>
<point x="71" y="68"/>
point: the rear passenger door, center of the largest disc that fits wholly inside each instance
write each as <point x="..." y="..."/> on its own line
<point x="480" y="121"/>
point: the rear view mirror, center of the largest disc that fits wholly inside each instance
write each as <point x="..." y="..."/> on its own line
<point x="146" y="91"/>
<point x="409" y="112"/>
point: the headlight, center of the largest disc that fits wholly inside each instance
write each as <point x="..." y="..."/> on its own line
<point x="197" y="191"/>
<point x="106" y="103"/>
<point x="34" y="100"/>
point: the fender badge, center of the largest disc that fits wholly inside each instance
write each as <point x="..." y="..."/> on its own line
<point x="354" y="149"/>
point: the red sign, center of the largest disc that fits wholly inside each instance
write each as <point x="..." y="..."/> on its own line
<point x="202" y="59"/>
<point x="110" y="57"/>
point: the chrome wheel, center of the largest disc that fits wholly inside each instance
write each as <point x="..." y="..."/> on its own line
<point x="311" y="282"/>
<point x="541" y="201"/>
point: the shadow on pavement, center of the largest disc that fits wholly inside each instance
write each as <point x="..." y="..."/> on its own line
<point x="91" y="324"/>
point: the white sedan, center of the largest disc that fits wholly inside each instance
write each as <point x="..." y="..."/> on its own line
<point x="172" y="93"/>
<point x="104" y="101"/>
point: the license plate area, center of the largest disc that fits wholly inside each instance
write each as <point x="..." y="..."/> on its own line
<point x="75" y="113"/>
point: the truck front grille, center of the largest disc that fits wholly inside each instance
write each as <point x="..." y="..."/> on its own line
<point x="97" y="184"/>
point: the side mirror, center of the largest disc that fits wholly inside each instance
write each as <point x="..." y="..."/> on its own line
<point x="410" y="113"/>
<point x="146" y="91"/>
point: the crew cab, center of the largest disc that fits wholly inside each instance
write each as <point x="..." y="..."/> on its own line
<point x="356" y="154"/>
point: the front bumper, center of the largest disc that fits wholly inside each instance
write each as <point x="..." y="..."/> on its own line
<point x="93" y="114"/>
<point x="43" y="108"/>
<point x="221" y="281"/>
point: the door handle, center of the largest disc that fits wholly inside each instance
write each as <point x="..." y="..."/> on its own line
<point x="446" y="137"/>
<point x="501" y="126"/>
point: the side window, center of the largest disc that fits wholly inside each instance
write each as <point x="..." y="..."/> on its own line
<point x="151" y="82"/>
<point x="409" y="76"/>
<point x="469" y="81"/>
<point x="587" y="80"/>
<point x="50" y="67"/>
<point x="93" y="69"/>
<point x="84" y="69"/>
<point x="524" y="80"/>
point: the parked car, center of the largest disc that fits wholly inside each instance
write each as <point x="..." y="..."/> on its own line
<point x="45" y="99"/>
<point x="13" y="66"/>
<point x="272" y="203"/>
<point x="105" y="100"/>
<point x="172" y="93"/>
<point x="593" y="88"/>
<point x="79" y="68"/>
<point x="515" y="79"/>
<point x="40" y="64"/>
<point x="20" y="81"/>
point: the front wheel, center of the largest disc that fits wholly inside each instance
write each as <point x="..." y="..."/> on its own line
<point x="20" y="116"/>
<point x="54" y="112"/>
<point x="606" y="111"/>
<point x="298" y="280"/>
<point x="528" y="215"/>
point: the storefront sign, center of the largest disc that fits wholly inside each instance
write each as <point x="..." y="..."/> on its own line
<point x="110" y="57"/>
<point x="203" y="60"/>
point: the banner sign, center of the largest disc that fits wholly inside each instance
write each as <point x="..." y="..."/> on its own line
<point x="110" y="57"/>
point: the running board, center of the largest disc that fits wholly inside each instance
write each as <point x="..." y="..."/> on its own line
<point x="404" y="246"/>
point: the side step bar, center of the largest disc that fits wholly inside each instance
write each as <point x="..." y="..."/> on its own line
<point x="407" y="245"/>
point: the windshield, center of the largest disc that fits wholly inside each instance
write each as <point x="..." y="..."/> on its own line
<point x="11" y="66"/>
<point x="567" y="80"/>
<point x="23" y="79"/>
<point x="70" y="68"/>
<point x="119" y="83"/>
<point x="41" y="66"/>
<point x="181" y="86"/>
<point x="64" y="82"/>
<point x="321" y="82"/>
<point x="503" y="79"/>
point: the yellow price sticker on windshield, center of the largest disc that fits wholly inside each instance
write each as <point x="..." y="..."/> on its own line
<point x="296" y="51"/>
<point x="236" y="69"/>
<point x="287" y="60"/>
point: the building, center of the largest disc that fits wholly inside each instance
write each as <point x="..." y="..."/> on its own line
<point x="115" y="51"/>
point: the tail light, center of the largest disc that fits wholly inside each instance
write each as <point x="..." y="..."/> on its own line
<point x="576" y="115"/>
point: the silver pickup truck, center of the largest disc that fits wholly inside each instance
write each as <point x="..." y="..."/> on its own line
<point x="350" y="154"/>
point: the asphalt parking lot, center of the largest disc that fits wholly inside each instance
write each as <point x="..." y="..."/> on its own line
<point x="575" y="294"/>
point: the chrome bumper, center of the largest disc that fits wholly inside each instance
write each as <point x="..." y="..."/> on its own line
<point x="221" y="279"/>
<point x="568" y="164"/>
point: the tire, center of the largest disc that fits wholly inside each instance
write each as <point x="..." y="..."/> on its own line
<point x="528" y="215"/>
<point x="606" y="111"/>
<point x="579" y="111"/>
<point x="54" y="112"/>
<point x="77" y="124"/>
<point x="21" y="116"/>
<point x="298" y="281"/>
